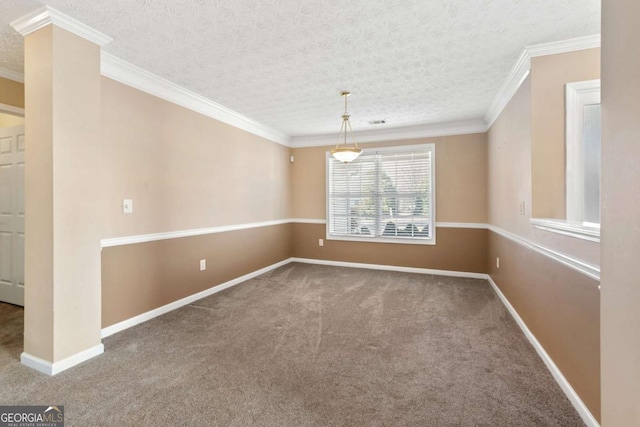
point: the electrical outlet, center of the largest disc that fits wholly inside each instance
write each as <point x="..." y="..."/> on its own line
<point x="203" y="264"/>
<point x="523" y="209"/>
<point x="497" y="262"/>
<point x="320" y="242"/>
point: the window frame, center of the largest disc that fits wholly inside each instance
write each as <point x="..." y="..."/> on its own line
<point x="578" y="95"/>
<point x="380" y="239"/>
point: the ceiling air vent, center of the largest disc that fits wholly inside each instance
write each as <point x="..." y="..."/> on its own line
<point x="377" y="122"/>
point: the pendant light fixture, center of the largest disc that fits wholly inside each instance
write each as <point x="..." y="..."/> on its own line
<point x="345" y="153"/>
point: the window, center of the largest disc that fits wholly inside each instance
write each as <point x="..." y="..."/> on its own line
<point x="583" y="152"/>
<point x="582" y="165"/>
<point x="386" y="195"/>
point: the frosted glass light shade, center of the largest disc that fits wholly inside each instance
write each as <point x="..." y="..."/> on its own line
<point x="346" y="154"/>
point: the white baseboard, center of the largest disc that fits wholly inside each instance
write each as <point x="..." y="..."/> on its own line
<point x="575" y="400"/>
<point x="125" y="324"/>
<point x="391" y="268"/>
<point x="49" y="368"/>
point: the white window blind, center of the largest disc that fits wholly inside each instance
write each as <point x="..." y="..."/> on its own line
<point x="384" y="195"/>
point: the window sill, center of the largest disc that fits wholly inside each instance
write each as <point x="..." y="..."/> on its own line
<point x="578" y="230"/>
<point x="431" y="241"/>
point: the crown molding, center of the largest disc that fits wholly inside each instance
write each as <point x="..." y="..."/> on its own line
<point x="563" y="46"/>
<point x="394" y="134"/>
<point x="11" y="75"/>
<point x="46" y="15"/>
<point x="510" y="86"/>
<point x="522" y="68"/>
<point x="136" y="77"/>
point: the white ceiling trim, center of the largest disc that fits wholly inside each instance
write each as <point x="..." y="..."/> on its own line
<point x="136" y="77"/>
<point x="11" y="75"/>
<point x="563" y="46"/>
<point x="512" y="83"/>
<point x="46" y="15"/>
<point x="522" y="67"/>
<point x="393" y="134"/>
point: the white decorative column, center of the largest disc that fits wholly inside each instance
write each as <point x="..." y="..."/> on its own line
<point x="620" y="213"/>
<point x="63" y="215"/>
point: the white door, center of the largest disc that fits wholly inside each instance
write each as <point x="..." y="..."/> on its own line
<point x="12" y="215"/>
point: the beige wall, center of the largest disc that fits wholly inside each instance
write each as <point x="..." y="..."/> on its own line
<point x="78" y="213"/>
<point x="559" y="305"/>
<point x="549" y="74"/>
<point x="7" y="120"/>
<point x="461" y="178"/>
<point x="184" y="170"/>
<point x="308" y="185"/>
<point x="510" y="182"/>
<point x="461" y="174"/>
<point x="461" y="196"/>
<point x="62" y="197"/>
<point x="141" y="277"/>
<point x="38" y="267"/>
<point x="620" y="304"/>
<point x="458" y="249"/>
<point x="509" y="164"/>
<point x="11" y="93"/>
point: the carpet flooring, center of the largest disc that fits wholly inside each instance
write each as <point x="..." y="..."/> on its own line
<point x="309" y="345"/>
<point x="11" y="328"/>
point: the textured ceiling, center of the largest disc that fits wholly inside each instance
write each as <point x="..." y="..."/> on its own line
<point x="283" y="62"/>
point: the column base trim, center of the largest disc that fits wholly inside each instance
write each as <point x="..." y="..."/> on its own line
<point x="49" y="368"/>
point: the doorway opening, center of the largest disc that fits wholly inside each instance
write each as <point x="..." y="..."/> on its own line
<point x="12" y="162"/>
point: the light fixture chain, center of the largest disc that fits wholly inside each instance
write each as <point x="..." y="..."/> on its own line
<point x="345" y="154"/>
<point x="346" y="96"/>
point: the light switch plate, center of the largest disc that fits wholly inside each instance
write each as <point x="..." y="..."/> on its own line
<point x="127" y="206"/>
